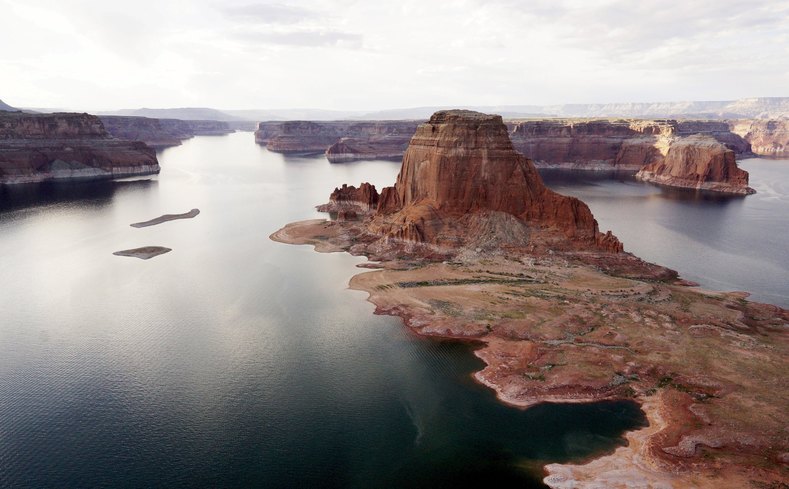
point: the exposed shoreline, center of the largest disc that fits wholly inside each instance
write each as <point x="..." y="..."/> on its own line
<point x="619" y="341"/>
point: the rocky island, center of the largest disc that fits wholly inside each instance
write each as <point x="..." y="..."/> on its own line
<point x="63" y="146"/>
<point x="698" y="162"/>
<point x="472" y="245"/>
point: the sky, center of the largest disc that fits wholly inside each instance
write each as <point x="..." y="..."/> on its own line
<point x="368" y="54"/>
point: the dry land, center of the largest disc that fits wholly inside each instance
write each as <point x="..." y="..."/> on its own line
<point x="709" y="368"/>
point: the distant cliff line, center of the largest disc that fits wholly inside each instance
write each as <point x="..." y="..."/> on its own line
<point x="600" y="144"/>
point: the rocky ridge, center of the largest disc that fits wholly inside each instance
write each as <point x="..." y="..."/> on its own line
<point x="63" y="146"/>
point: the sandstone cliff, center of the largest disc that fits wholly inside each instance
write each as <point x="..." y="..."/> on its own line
<point x="41" y="147"/>
<point x="161" y="133"/>
<point x="462" y="185"/>
<point x="698" y="162"/>
<point x="602" y="144"/>
<point x="766" y="137"/>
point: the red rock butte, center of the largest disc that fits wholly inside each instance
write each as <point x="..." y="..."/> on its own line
<point x="463" y="184"/>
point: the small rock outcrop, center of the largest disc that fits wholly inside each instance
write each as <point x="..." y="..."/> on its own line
<point x="40" y="147"/>
<point x="463" y="185"/>
<point x="698" y="162"/>
<point x="349" y="198"/>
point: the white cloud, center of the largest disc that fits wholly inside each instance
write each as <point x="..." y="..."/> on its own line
<point x="357" y="54"/>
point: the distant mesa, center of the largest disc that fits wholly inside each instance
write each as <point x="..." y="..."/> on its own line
<point x="166" y="217"/>
<point x="65" y="146"/>
<point x="144" y="253"/>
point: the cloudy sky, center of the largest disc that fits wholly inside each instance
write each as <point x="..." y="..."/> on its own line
<point x="367" y="54"/>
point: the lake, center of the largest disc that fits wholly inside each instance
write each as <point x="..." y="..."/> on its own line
<point x="235" y="361"/>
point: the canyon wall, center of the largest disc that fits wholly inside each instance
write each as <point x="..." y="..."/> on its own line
<point x="161" y="133"/>
<point x="603" y="144"/>
<point x="338" y="140"/>
<point x="41" y="147"/>
<point x="766" y="137"/>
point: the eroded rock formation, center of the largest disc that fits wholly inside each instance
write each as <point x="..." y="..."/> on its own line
<point x="39" y="147"/>
<point x="698" y="162"/>
<point x="766" y="137"/>
<point x="463" y="185"/>
<point x="349" y="198"/>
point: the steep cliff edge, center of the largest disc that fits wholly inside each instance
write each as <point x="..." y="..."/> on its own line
<point x="461" y="172"/>
<point x="40" y="147"/>
<point x="766" y="137"/>
<point x="161" y="133"/>
<point x="698" y="162"/>
<point x="610" y="144"/>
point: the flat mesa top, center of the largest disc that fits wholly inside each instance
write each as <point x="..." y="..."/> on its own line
<point x="460" y="115"/>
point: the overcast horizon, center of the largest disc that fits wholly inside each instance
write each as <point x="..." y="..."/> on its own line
<point x="357" y="56"/>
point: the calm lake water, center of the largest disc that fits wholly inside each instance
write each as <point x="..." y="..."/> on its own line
<point x="234" y="361"/>
<point x="724" y="243"/>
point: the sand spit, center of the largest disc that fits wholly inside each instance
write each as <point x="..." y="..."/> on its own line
<point x="144" y="253"/>
<point x="166" y="217"/>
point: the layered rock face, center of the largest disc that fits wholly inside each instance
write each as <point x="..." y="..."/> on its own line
<point x="766" y="137"/>
<point x="161" y="133"/>
<point x="462" y="184"/>
<point x="40" y="147"/>
<point x="698" y="162"/>
<point x="609" y="144"/>
<point x="339" y="140"/>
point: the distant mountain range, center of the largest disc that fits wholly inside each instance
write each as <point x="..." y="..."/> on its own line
<point x="747" y="108"/>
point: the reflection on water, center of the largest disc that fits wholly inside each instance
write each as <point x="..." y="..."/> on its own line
<point x="723" y="242"/>
<point x="84" y="193"/>
<point x="234" y="361"/>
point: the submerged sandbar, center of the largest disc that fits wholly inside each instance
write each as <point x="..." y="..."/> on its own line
<point x="166" y="217"/>
<point x="144" y="253"/>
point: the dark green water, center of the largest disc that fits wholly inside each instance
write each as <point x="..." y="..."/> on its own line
<point x="234" y="361"/>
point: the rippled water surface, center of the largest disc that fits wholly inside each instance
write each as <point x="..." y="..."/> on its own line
<point x="234" y="361"/>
